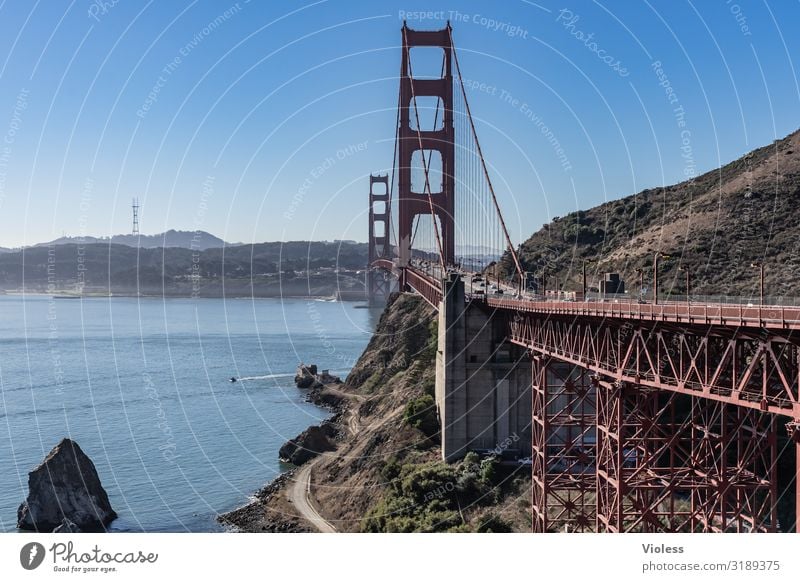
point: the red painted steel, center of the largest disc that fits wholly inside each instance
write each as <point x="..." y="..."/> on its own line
<point x="684" y="414"/>
<point x="758" y="371"/>
<point x="380" y="247"/>
<point x="430" y="289"/>
<point x="645" y="417"/>
<point x="673" y="463"/>
<point x="775" y="317"/>
<point x="412" y="204"/>
<point x="563" y="447"/>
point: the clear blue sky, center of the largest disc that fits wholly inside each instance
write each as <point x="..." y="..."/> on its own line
<point x="217" y="114"/>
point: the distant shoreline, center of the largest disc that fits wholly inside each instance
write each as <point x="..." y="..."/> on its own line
<point x="67" y="295"/>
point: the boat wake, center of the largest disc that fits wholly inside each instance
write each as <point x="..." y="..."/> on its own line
<point x="266" y="377"/>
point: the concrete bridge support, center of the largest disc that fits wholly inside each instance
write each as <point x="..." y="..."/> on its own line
<point x="482" y="381"/>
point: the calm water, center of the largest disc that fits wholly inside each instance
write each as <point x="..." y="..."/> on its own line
<point x="142" y="386"/>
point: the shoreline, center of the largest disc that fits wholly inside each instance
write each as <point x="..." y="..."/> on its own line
<point x="257" y="514"/>
<point x="67" y="295"/>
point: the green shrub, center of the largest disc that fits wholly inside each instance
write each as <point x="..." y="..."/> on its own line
<point x="420" y="413"/>
<point x="391" y="470"/>
<point x="429" y="497"/>
<point x="489" y="470"/>
<point x="491" y="523"/>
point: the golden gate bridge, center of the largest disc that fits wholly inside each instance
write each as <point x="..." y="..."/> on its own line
<point x="661" y="416"/>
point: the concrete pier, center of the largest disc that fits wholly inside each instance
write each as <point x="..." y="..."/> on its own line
<point x="483" y="383"/>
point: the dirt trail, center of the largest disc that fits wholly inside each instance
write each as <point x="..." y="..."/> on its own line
<point x="300" y="493"/>
<point x="300" y="496"/>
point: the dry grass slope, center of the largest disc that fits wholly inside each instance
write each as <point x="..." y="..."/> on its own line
<point x="715" y="225"/>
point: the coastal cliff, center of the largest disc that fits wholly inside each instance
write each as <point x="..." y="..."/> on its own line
<point x="386" y="473"/>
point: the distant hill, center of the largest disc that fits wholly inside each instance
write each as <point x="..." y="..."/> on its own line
<point x="184" y="239"/>
<point x="265" y="269"/>
<point x="715" y="226"/>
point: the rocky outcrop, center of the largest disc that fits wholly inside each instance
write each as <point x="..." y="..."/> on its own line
<point x="308" y="444"/>
<point x="65" y="487"/>
<point x="326" y="378"/>
<point x="328" y="397"/>
<point x="307" y="377"/>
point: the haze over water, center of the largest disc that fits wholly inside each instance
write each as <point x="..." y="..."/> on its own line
<point x="143" y="386"/>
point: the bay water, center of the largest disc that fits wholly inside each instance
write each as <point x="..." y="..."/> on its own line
<point x="143" y="386"/>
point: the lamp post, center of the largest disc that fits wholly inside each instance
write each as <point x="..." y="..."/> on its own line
<point x="641" y="283"/>
<point x="584" y="278"/>
<point x="688" y="282"/>
<point x="760" y="266"/>
<point x="655" y="275"/>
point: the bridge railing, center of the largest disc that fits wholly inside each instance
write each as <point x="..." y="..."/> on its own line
<point x="752" y="300"/>
<point x="730" y="315"/>
<point x="425" y="285"/>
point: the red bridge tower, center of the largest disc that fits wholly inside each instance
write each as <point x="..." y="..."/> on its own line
<point x="426" y="140"/>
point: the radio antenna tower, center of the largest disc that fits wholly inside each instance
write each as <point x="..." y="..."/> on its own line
<point x="135" y="207"/>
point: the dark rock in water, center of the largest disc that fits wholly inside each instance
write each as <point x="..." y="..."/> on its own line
<point x="67" y="526"/>
<point x="308" y="444"/>
<point x="306" y="376"/>
<point x="65" y="487"/>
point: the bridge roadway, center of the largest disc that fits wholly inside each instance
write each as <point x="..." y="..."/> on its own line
<point x="731" y="353"/>
<point x="773" y="317"/>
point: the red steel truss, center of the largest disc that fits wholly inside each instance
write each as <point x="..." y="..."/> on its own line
<point x="673" y="463"/>
<point x="563" y="451"/>
<point x="756" y="370"/>
<point x="685" y="422"/>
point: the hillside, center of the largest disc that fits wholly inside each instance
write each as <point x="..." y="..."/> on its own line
<point x="716" y="226"/>
<point x="199" y="240"/>
<point x="387" y="453"/>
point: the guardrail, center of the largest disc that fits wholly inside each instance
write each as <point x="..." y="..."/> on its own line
<point x="767" y="316"/>
<point x="429" y="288"/>
<point x="723" y="312"/>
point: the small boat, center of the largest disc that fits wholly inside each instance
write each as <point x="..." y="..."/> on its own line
<point x="233" y="379"/>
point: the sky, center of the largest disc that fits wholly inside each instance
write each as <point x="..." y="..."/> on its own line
<point x="262" y="121"/>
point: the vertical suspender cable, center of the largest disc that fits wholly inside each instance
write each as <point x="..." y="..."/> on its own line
<point x="510" y="246"/>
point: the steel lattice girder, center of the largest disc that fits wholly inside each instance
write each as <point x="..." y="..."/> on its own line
<point x="563" y="446"/>
<point x="670" y="462"/>
<point x="743" y="368"/>
<point x="685" y="438"/>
